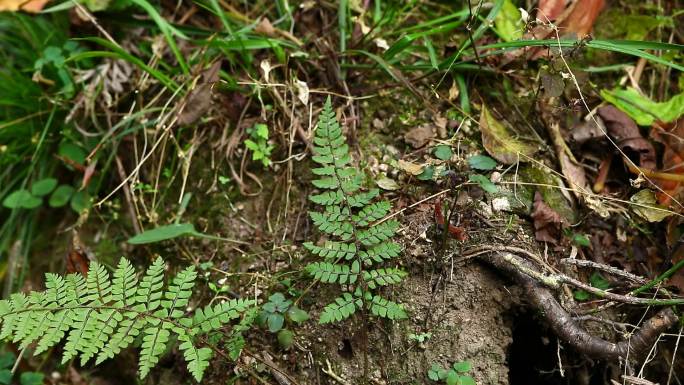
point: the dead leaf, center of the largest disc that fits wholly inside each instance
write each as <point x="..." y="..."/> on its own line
<point x="550" y="9"/>
<point x="579" y="17"/>
<point x="302" y="91"/>
<point x="386" y="183"/>
<point x="265" y="28"/>
<point x="626" y="134"/>
<point x="671" y="135"/>
<point x="32" y="6"/>
<point x="420" y="136"/>
<point x="200" y="100"/>
<point x="440" y="123"/>
<point x="547" y="222"/>
<point x="410" y="167"/>
<point x="500" y="143"/>
<point x="647" y="207"/>
<point x="587" y="130"/>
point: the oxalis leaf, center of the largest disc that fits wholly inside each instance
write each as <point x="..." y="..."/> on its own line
<point x="481" y="162"/>
<point x="163" y="233"/>
<point x="500" y="143"/>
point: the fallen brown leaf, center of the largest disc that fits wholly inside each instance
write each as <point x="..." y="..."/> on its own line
<point x="547" y="222"/>
<point x="420" y="136"/>
<point x="550" y="9"/>
<point x="200" y="98"/>
<point x="500" y="143"/>
<point x="626" y="134"/>
<point x="579" y="17"/>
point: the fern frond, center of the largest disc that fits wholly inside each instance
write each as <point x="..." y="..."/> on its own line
<point x="237" y="341"/>
<point x="342" y="308"/>
<point x="348" y="218"/>
<point x="99" y="317"/>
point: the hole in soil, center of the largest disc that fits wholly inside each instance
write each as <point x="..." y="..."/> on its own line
<point x="532" y="356"/>
<point x="345" y="349"/>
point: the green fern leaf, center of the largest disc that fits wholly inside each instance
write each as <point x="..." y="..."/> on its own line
<point x="148" y="296"/>
<point x="154" y="344"/>
<point x="328" y="198"/>
<point x="384" y="308"/>
<point x="237" y="341"/>
<point x="333" y="250"/>
<point x="342" y="308"/>
<point x="197" y="358"/>
<point x="100" y="317"/>
<point x="377" y="234"/>
<point x="372" y="213"/>
<point x="334" y="273"/>
<point x="383" y="277"/>
<point x="380" y="252"/>
<point x="363" y="198"/>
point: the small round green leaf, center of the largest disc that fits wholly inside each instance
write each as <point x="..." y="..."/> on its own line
<point x="72" y="152"/>
<point x="452" y="378"/>
<point x="427" y="173"/>
<point x="297" y="315"/>
<point x="285" y="338"/>
<point x="443" y="152"/>
<point x="31" y="378"/>
<point x="163" y="233"/>
<point x="275" y="322"/>
<point x="463" y="366"/>
<point x="484" y="183"/>
<point x="481" y="162"/>
<point x="43" y="187"/>
<point x="80" y="201"/>
<point x="467" y="380"/>
<point x="61" y="195"/>
<point x="21" y="199"/>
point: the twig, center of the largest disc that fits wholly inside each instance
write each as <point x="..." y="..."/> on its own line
<point x="570" y="331"/>
<point x="332" y="374"/>
<point x="608" y="269"/>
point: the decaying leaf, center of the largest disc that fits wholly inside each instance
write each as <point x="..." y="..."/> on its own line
<point x="302" y="91"/>
<point x="646" y="206"/>
<point x="626" y="134"/>
<point x="386" y="183"/>
<point x="672" y="138"/>
<point x="199" y="100"/>
<point x="500" y="143"/>
<point x="420" y="136"/>
<point x="547" y="222"/>
<point x="410" y="167"/>
<point x="580" y="16"/>
<point x="550" y="9"/>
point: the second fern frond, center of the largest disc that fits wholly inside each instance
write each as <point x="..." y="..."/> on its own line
<point x="357" y="246"/>
<point x="101" y="316"/>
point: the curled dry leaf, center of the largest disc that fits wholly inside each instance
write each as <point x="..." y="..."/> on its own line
<point x="547" y="222"/>
<point x="420" y="136"/>
<point x="626" y="134"/>
<point x="200" y="99"/>
<point x="410" y="167"/>
<point x="646" y="206"/>
<point x="500" y="143"/>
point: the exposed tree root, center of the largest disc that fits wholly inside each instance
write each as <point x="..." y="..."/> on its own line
<point x="568" y="329"/>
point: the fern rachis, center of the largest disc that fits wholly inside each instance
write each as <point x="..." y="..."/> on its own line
<point x="99" y="317"/>
<point x="348" y="217"/>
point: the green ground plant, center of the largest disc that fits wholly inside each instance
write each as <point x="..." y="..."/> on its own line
<point x="454" y="375"/>
<point x="99" y="317"/>
<point x="349" y="216"/>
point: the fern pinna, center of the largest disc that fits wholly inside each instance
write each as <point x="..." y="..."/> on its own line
<point x="100" y="317"/>
<point x="357" y="246"/>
